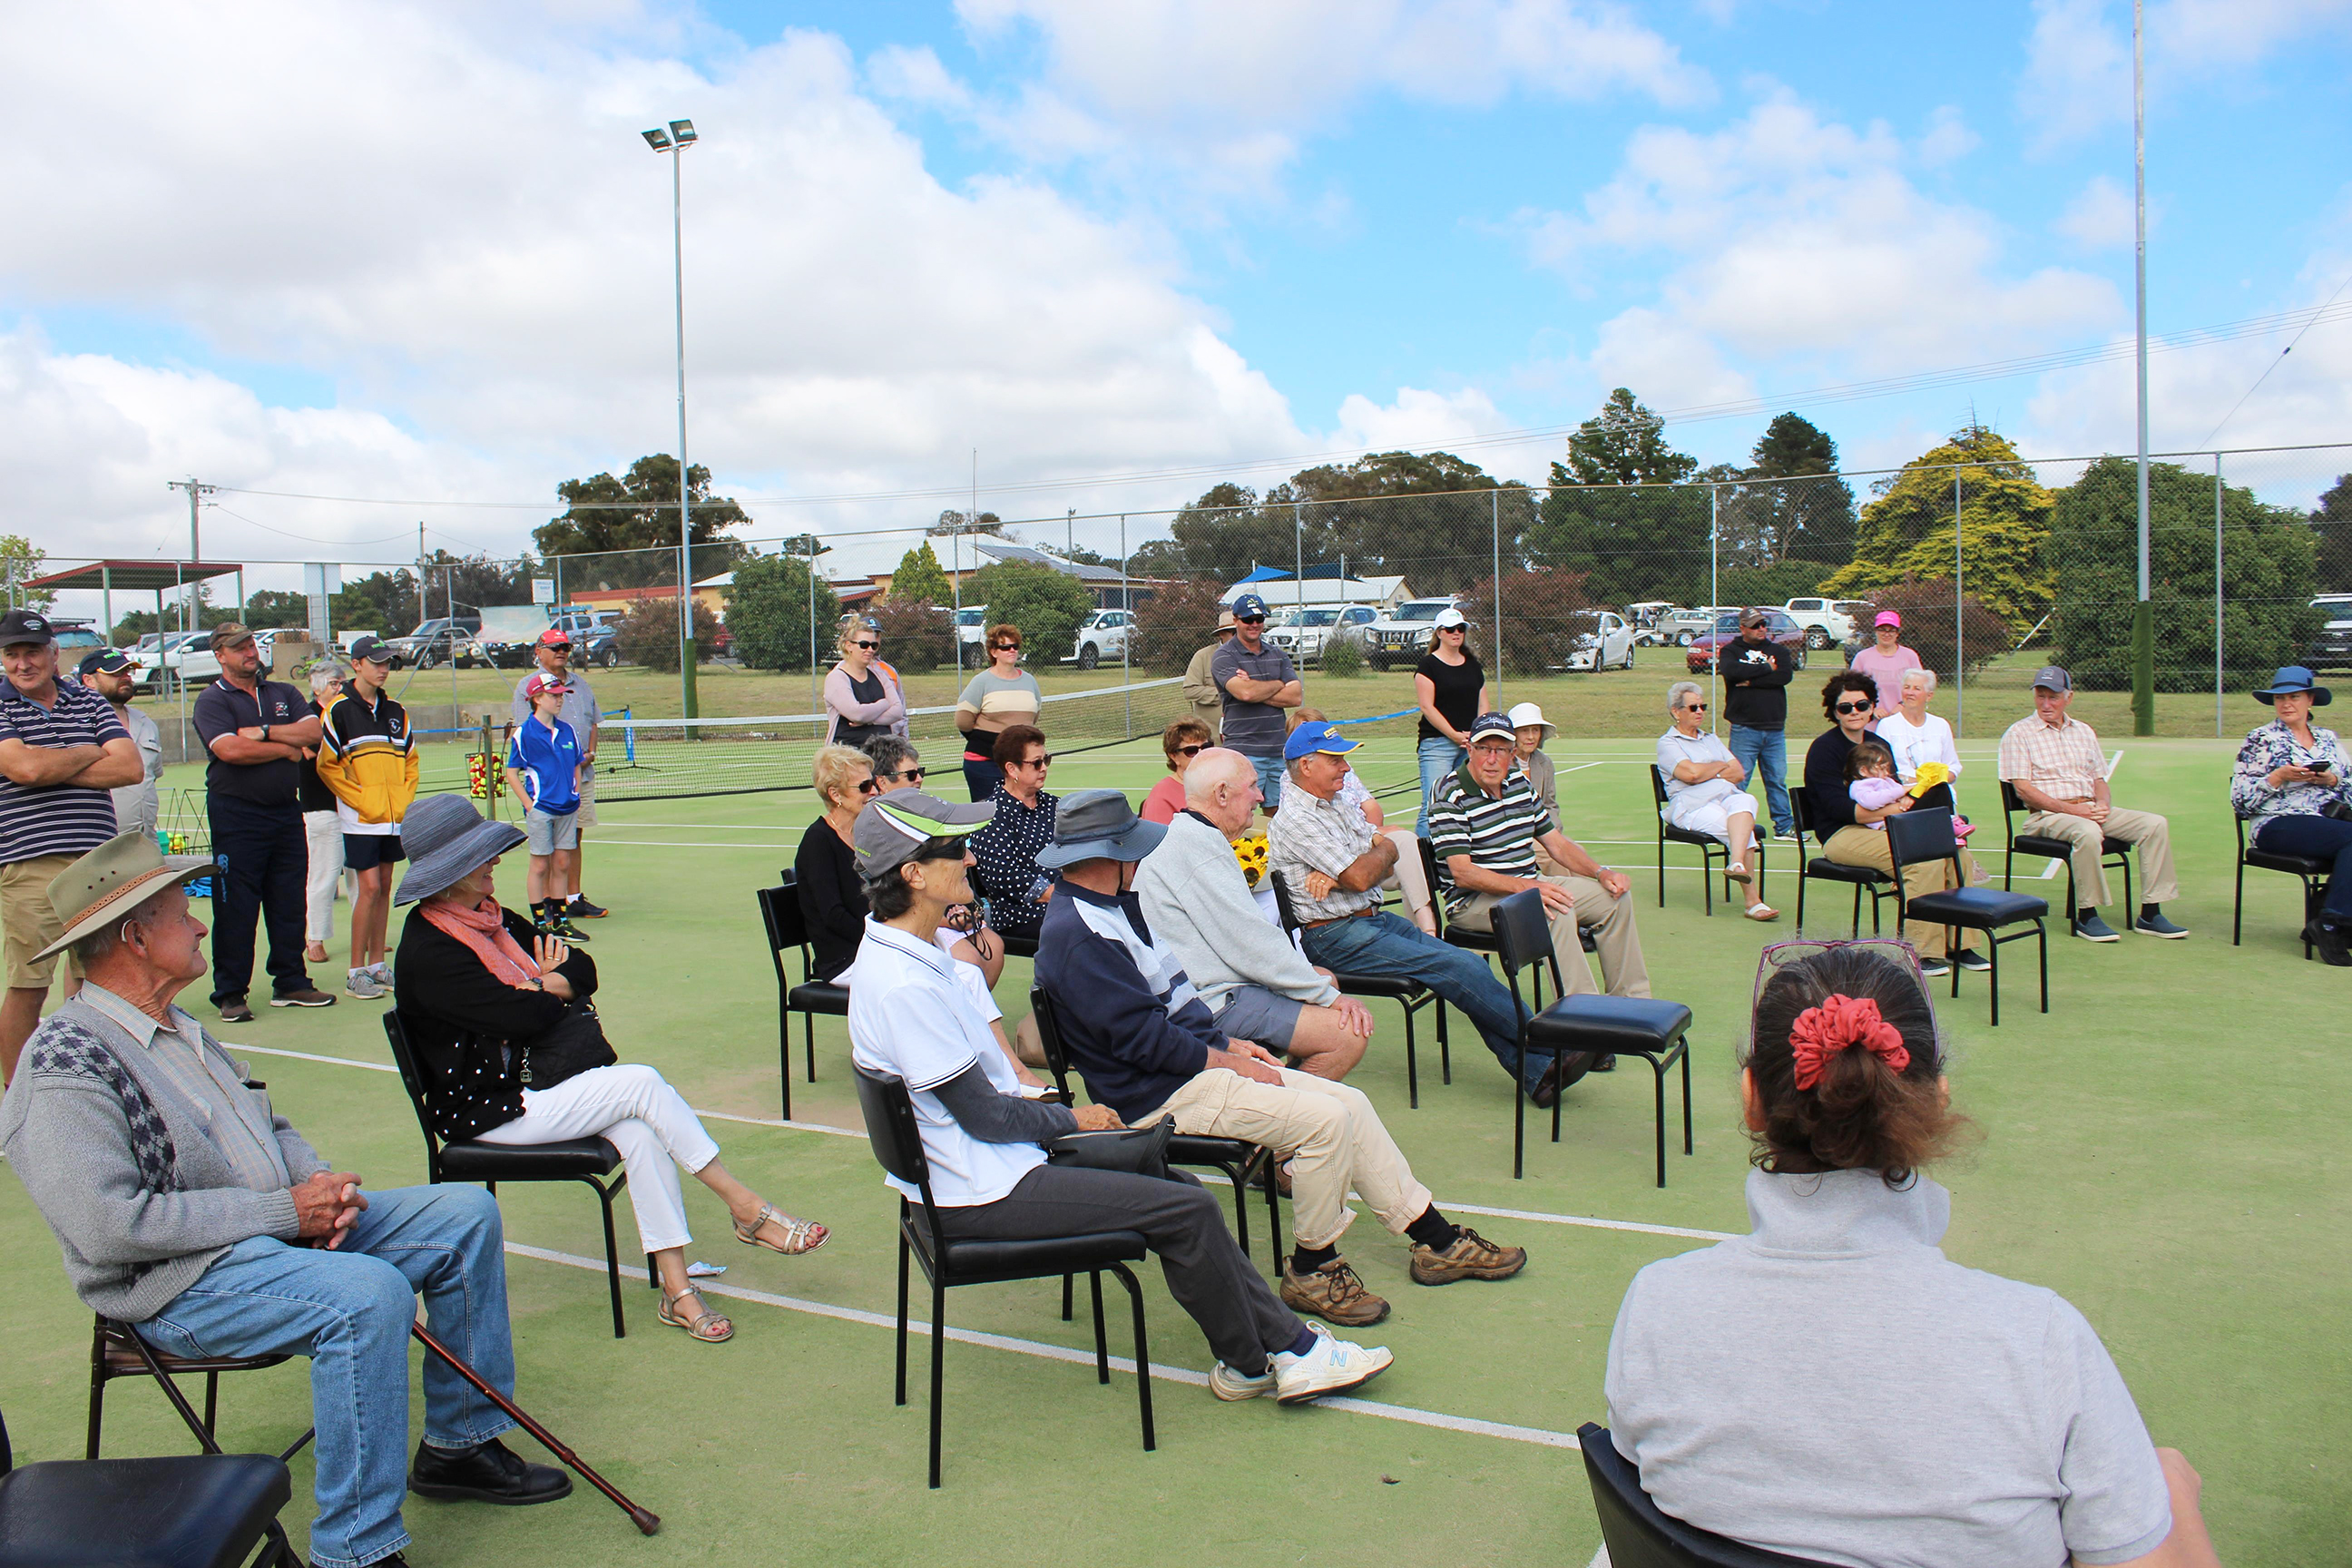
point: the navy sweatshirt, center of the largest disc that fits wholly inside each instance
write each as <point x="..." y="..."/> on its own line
<point x="1134" y="1027"/>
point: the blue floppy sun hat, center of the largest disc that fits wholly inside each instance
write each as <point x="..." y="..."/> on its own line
<point x="2294" y="679"/>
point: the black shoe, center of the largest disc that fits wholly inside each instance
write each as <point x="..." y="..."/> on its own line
<point x="1565" y="1069"/>
<point x="487" y="1472"/>
<point x="395" y="1560"/>
<point x="1934" y="968"/>
<point x="234" y="1011"/>
<point x="580" y="908"/>
<point x="1603" y="1063"/>
<point x="1970" y="959"/>
<point x="564" y="930"/>
<point x="2333" y="947"/>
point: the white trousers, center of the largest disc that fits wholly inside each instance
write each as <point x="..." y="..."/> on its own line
<point x="635" y="1109"/>
<point x="1712" y="817"/>
<point x="324" y="832"/>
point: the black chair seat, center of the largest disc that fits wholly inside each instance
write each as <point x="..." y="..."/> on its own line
<point x="1984" y="907"/>
<point x="1690" y="835"/>
<point x="1476" y="940"/>
<point x="189" y="1511"/>
<point x="1610" y="1024"/>
<point x="1639" y="1535"/>
<point x="2292" y="865"/>
<point x="528" y="1162"/>
<point x="1018" y="946"/>
<point x="1392" y="988"/>
<point x="1198" y="1149"/>
<point x="1821" y="868"/>
<point x="2059" y="850"/>
<point x="819" y="996"/>
<point x="987" y="1262"/>
<point x="122" y="1358"/>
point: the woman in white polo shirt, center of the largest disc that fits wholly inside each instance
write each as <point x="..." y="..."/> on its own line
<point x="1703" y="793"/>
<point x="1831" y="1387"/>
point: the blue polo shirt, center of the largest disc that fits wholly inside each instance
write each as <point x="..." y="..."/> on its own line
<point x="548" y="759"/>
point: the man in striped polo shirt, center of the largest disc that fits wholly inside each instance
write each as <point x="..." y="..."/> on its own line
<point x="1486" y="823"/>
<point x="61" y="751"/>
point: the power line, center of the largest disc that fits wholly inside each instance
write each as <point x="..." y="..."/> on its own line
<point x="2316" y="316"/>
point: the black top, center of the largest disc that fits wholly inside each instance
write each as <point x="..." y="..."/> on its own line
<point x="1458" y="686"/>
<point x="469" y="1028"/>
<point x="309" y="789"/>
<point x="223" y="710"/>
<point x="1756" y="677"/>
<point x="1825" y="792"/>
<point x="832" y="896"/>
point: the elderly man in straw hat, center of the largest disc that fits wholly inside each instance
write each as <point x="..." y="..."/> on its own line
<point x="187" y="1207"/>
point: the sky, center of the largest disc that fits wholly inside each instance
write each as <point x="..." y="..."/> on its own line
<point x="1102" y="256"/>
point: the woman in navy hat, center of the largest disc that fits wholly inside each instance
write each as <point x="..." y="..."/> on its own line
<point x="2289" y="773"/>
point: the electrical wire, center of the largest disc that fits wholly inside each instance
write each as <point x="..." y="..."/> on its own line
<point x="2314" y="321"/>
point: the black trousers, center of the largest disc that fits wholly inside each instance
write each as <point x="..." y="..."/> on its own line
<point x="1219" y="1288"/>
<point x="261" y="861"/>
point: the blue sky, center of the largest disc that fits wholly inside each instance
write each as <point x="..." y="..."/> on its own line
<point x="411" y="252"/>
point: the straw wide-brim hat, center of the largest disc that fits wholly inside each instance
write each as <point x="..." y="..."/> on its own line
<point x="110" y="882"/>
<point x="445" y="838"/>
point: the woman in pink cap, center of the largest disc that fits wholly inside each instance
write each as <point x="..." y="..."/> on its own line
<point x="1885" y="663"/>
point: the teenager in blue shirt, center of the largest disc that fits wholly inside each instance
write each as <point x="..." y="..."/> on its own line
<point x="544" y="768"/>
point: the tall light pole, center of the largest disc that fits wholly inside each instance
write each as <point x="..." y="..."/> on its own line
<point x="675" y="140"/>
<point x="2142" y="611"/>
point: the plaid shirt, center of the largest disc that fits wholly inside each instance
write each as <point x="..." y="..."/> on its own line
<point x="2064" y="762"/>
<point x="1326" y="836"/>
<point x="240" y="1129"/>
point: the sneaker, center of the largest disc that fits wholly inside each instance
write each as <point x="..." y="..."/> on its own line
<point x="1333" y="1366"/>
<point x="2157" y="925"/>
<point x="382" y="973"/>
<point x="309" y="996"/>
<point x="234" y="1011"/>
<point x="2095" y="929"/>
<point x="362" y="984"/>
<point x="1934" y="968"/>
<point x="2333" y="948"/>
<point x="1332" y="1291"/>
<point x="566" y="930"/>
<point x="1228" y="1384"/>
<point x="581" y="909"/>
<point x="1970" y="959"/>
<point x="1472" y="1256"/>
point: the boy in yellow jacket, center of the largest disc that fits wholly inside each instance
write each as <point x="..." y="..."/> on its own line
<point x="368" y="758"/>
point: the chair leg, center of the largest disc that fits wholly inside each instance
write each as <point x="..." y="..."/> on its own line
<point x="1412" y="1070"/>
<point x="1802" y="880"/>
<point x="2238" y="905"/>
<point x="1662" y="867"/>
<point x="784" y="1054"/>
<point x="1102" y="1345"/>
<point x="1273" y="1215"/>
<point x="939" y="1369"/>
<point x="902" y="1319"/>
<point x="1520" y="1108"/>
<point x="1066" y="1278"/>
<point x="1445" y="1050"/>
<point x="2042" y="932"/>
<point x="1686" y="1108"/>
<point x="1658" y="1098"/>
<point x="1241" y="1201"/>
<point x="1993" y="975"/>
<point x="808" y="1042"/>
<point x="96" y="1389"/>
<point x="1857" y="912"/>
<point x="1706" y="879"/>
<point x="611" y="1253"/>
<point x="212" y="1403"/>
<point x="1143" y="1356"/>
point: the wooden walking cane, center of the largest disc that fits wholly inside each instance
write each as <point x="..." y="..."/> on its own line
<point x="645" y="1520"/>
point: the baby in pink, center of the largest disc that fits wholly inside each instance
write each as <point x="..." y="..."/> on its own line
<point x="1872" y="783"/>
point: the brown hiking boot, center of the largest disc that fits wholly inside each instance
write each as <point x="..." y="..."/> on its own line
<point x="1332" y="1293"/>
<point x="1472" y="1256"/>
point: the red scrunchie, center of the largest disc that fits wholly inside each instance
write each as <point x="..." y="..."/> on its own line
<point x="1840" y="1024"/>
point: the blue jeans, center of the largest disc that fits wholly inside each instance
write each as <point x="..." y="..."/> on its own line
<point x="349" y="1312"/>
<point x="1269" y="779"/>
<point x="2322" y="839"/>
<point x="1439" y="757"/>
<point x="982" y="777"/>
<point x="1383" y="944"/>
<point x="1764" y="754"/>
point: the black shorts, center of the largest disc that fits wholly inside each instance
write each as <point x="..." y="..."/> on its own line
<point x="365" y="851"/>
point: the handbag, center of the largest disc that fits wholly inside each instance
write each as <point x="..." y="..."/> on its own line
<point x="1138" y="1150"/>
<point x="572" y="1047"/>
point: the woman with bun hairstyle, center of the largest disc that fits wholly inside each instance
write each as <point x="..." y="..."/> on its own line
<point x="1831" y="1387"/>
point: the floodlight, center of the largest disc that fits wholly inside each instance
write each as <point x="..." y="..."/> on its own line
<point x="658" y="139"/>
<point x="683" y="130"/>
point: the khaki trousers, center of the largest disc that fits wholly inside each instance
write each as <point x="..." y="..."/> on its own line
<point x="1860" y="846"/>
<point x="2152" y="835"/>
<point x="1610" y="921"/>
<point x="1332" y="1133"/>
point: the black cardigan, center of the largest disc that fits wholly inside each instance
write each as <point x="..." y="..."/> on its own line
<point x="466" y="1026"/>
<point x="1825" y="781"/>
<point x="832" y="896"/>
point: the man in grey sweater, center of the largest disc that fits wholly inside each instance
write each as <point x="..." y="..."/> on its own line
<point x="185" y="1205"/>
<point x="1251" y="975"/>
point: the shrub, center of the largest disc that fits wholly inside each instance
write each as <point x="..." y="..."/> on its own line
<point x="1046" y="606"/>
<point x="648" y="636"/>
<point x="1927" y="625"/>
<point x="1343" y="657"/>
<point x="917" y="635"/>
<point x="1174" y="623"/>
<point x="769" y="613"/>
<point x="1544" y="611"/>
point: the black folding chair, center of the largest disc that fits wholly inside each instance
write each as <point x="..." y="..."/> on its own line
<point x="1639" y="1536"/>
<point x="2313" y="874"/>
<point x="1913" y="837"/>
<point x="1476" y="940"/>
<point x="1708" y="848"/>
<point x="188" y="1510"/>
<point x="898" y="1143"/>
<point x="1240" y="1160"/>
<point x="1406" y="992"/>
<point x="116" y="1350"/>
<point x="1822" y="868"/>
<point x="2111" y="852"/>
<point x="583" y="1160"/>
<point x="1657" y="1031"/>
<point x="780" y="909"/>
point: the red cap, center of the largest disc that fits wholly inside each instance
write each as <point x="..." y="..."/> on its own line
<point x="543" y="681"/>
<point x="555" y="636"/>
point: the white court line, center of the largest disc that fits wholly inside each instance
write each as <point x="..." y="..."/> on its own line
<point x="1467" y="1424"/>
<point x="1588" y="1220"/>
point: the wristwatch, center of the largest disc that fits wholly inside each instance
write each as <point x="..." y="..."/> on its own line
<point x="265" y="731"/>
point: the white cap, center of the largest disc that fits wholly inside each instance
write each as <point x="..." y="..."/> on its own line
<point x="1527" y="713"/>
<point x="1449" y="616"/>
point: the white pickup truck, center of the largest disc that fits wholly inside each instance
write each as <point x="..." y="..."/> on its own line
<point x="1826" y="622"/>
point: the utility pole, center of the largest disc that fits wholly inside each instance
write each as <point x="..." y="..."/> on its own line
<point x="2142" y="611"/>
<point x="196" y="490"/>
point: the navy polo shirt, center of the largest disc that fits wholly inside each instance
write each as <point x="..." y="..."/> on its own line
<point x="223" y="710"/>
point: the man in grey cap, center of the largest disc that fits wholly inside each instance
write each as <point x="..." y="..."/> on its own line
<point x="2061" y="774"/>
<point x="109" y="672"/>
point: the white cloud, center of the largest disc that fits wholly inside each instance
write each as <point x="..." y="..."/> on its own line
<point x="1948" y="138"/>
<point x="2100" y="216"/>
<point x="915" y="76"/>
<point x="1417" y="420"/>
<point x="2077" y="78"/>
<point x="2241" y="32"/>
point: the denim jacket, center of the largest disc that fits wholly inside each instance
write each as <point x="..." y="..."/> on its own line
<point x="2272" y="747"/>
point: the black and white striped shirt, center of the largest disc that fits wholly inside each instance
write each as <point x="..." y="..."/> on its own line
<point x="55" y="819"/>
<point x="1498" y="832"/>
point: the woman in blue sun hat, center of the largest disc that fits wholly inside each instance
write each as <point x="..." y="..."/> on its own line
<point x="2289" y="772"/>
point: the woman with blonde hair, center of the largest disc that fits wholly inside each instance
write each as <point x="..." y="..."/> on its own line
<point x="862" y="695"/>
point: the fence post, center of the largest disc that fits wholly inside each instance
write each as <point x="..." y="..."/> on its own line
<point x="1714" y="593"/>
<point x="1127" y="632"/>
<point x="1960" y="636"/>
<point x="1494" y="526"/>
<point x="2217" y="595"/>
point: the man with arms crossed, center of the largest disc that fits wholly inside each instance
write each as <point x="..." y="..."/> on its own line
<point x="553" y="652"/>
<point x="1258" y="681"/>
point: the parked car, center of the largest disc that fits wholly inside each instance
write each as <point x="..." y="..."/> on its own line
<point x="1302" y="634"/>
<point x="1604" y="640"/>
<point x="1827" y="621"/>
<point x="2331" y="644"/>
<point x="1101" y="635"/>
<point x="1783" y="625"/>
<point x="1681" y="627"/>
<point x="1643" y="618"/>
<point x="434" y="642"/>
<point x="178" y="656"/>
<point x="75" y="639"/>
<point x="1401" y="635"/>
<point x="971" y="625"/>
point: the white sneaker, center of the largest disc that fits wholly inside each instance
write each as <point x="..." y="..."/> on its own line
<point x="382" y="973"/>
<point x="361" y="983"/>
<point x="1227" y="1383"/>
<point x="1333" y="1366"/>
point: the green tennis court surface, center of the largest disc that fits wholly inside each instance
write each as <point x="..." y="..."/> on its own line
<point x="2165" y="1148"/>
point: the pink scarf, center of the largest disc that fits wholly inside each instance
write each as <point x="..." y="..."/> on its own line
<point x="483" y="928"/>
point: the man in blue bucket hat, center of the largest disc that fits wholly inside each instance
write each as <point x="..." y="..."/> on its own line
<point x="1258" y="681"/>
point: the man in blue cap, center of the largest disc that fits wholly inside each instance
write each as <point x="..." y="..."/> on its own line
<point x="1258" y="681"/>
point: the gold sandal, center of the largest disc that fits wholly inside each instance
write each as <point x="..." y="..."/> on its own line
<point x="797" y="1232"/>
<point x="708" y="1326"/>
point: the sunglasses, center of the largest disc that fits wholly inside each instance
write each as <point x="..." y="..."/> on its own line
<point x="1249" y="620"/>
<point x="1854" y="707"/>
<point x="1044" y="762"/>
<point x="869" y="647"/>
<point x="912" y="774"/>
<point x="868" y="785"/>
<point x="1694" y="707"/>
<point x="1007" y="647"/>
<point x="1456" y="631"/>
<point x="1193" y="751"/>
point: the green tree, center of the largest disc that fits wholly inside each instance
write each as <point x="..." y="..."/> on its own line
<point x="1223" y="534"/>
<point x="916" y="633"/>
<point x="19" y="562"/>
<point x="1358" y="516"/>
<point x="1619" y="513"/>
<point x="276" y="607"/>
<point x="1812" y="509"/>
<point x="1545" y="612"/>
<point x="648" y="634"/>
<point x="638" y="512"/>
<point x="2268" y="575"/>
<point x="1046" y="606"/>
<point x="921" y="576"/>
<point x="1774" y="584"/>
<point x="2004" y="517"/>
<point x="382" y="602"/>
<point x="1178" y="621"/>
<point x="2331" y="520"/>
<point x="767" y="611"/>
<point x="474" y="581"/>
